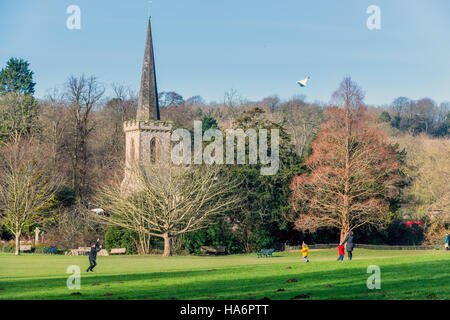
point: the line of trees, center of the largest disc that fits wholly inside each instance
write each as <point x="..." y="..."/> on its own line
<point x="343" y="166"/>
<point x="419" y="116"/>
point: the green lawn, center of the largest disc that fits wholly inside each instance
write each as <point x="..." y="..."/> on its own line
<point x="404" y="275"/>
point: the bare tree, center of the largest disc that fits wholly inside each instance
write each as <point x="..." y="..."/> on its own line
<point x="123" y="104"/>
<point x="25" y="188"/>
<point x="168" y="201"/>
<point x="122" y="107"/>
<point x="196" y="100"/>
<point x="54" y="120"/>
<point x="74" y="228"/>
<point x="302" y="121"/>
<point x="232" y="100"/>
<point x="272" y="102"/>
<point x="428" y="167"/>
<point x="400" y="104"/>
<point x="170" y="99"/>
<point x="82" y="94"/>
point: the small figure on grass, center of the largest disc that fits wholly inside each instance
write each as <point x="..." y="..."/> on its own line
<point x="350" y="245"/>
<point x="341" y="252"/>
<point x="95" y="247"/>
<point x="305" y="250"/>
<point x="446" y="241"/>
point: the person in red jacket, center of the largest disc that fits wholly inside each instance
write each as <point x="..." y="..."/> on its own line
<point x="341" y="253"/>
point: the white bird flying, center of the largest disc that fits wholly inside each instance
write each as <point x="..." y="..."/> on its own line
<point x="302" y="83"/>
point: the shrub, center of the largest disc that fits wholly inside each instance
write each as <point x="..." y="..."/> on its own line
<point x="217" y="234"/>
<point x="66" y="196"/>
<point x="262" y="239"/>
<point x="5" y="234"/>
<point x="117" y="237"/>
<point x="39" y="248"/>
<point x="9" y="247"/>
<point x="400" y="234"/>
<point x="44" y="249"/>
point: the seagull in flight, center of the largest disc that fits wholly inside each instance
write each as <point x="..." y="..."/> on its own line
<point x="302" y="83"/>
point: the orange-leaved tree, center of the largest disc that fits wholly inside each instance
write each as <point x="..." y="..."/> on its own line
<point x="352" y="171"/>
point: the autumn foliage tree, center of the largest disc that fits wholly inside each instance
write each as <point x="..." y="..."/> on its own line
<point x="352" y="171"/>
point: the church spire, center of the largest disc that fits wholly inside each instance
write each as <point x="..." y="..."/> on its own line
<point x="148" y="106"/>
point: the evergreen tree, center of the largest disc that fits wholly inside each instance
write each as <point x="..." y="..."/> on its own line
<point x="209" y="122"/>
<point x="17" y="77"/>
<point x="18" y="108"/>
<point x="385" y="117"/>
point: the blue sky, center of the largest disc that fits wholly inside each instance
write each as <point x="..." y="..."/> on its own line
<point x="258" y="47"/>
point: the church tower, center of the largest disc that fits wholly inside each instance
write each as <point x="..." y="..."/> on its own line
<point x="147" y="139"/>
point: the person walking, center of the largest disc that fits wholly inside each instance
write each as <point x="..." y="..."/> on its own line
<point x="446" y="241"/>
<point x="350" y="245"/>
<point x="93" y="256"/>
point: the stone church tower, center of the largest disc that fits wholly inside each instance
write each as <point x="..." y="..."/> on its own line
<point x="147" y="139"/>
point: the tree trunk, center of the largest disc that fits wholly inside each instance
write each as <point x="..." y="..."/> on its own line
<point x="36" y="236"/>
<point x="17" y="236"/>
<point x="143" y="244"/>
<point x="166" y="245"/>
<point x="345" y="220"/>
<point x="344" y="233"/>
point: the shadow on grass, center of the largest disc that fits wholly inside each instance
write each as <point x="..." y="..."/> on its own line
<point x="415" y="280"/>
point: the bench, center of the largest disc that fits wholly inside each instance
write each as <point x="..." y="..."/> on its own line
<point x="213" y="250"/>
<point x="52" y="250"/>
<point x="83" y="251"/>
<point x="25" y="247"/>
<point x="265" y="253"/>
<point x="118" y="251"/>
<point x="72" y="252"/>
<point x="103" y="253"/>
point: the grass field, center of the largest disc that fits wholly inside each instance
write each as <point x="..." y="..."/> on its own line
<point x="404" y="275"/>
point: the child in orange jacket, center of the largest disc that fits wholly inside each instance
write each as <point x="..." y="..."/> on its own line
<point x="305" y="250"/>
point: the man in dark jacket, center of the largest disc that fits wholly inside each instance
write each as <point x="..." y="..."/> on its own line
<point x="350" y="245"/>
<point x="93" y="255"/>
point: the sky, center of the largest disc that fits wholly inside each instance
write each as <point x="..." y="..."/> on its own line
<point x="256" y="47"/>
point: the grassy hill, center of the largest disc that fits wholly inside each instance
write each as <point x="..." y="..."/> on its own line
<point x="404" y="275"/>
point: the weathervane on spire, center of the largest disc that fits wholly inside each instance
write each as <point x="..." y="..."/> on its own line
<point x="149" y="8"/>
